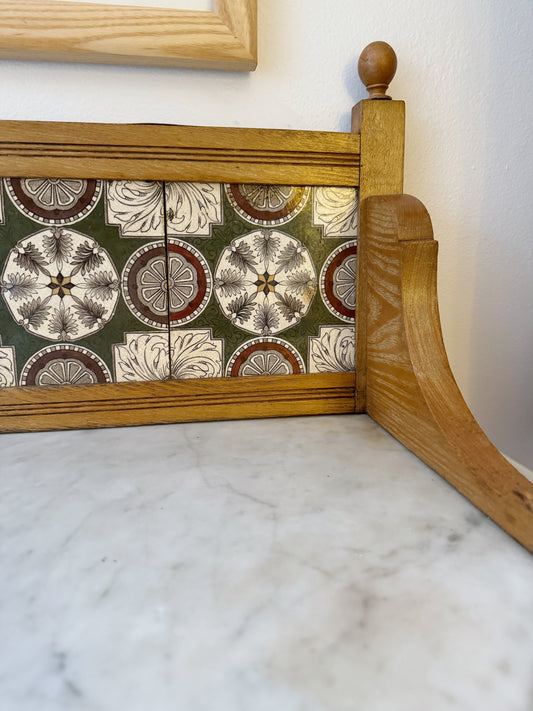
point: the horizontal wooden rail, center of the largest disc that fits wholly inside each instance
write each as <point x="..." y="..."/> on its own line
<point x="186" y="153"/>
<point x="112" y="405"/>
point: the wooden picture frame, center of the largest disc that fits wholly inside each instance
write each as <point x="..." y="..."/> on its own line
<point x="62" y="31"/>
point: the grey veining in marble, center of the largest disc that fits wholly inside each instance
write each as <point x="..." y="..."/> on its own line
<point x="309" y="564"/>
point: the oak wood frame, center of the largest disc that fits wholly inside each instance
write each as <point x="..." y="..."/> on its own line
<point x="140" y="152"/>
<point x="225" y="38"/>
<point x="403" y="377"/>
<point x="410" y="388"/>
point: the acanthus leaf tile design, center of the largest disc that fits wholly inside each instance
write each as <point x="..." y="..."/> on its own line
<point x="194" y="353"/>
<point x="333" y="350"/>
<point x="142" y="356"/>
<point x="335" y="210"/>
<point x="8" y="374"/>
<point x="170" y="280"/>
<point x="193" y="208"/>
<point x="137" y="208"/>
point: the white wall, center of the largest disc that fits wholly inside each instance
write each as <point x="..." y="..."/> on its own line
<point x="465" y="71"/>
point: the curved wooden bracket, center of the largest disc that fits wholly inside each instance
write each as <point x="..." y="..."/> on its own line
<point x="411" y="390"/>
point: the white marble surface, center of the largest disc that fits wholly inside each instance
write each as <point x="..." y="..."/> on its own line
<point x="310" y="564"/>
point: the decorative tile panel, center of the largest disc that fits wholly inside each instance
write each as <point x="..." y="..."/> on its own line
<point x="128" y="281"/>
<point x="64" y="304"/>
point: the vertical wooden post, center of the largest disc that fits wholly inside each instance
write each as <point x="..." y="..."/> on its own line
<point x="381" y="124"/>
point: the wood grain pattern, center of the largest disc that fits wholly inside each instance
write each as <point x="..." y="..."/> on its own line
<point x="155" y="152"/>
<point x="411" y="390"/>
<point x="381" y="126"/>
<point x="73" y="407"/>
<point x="84" y="32"/>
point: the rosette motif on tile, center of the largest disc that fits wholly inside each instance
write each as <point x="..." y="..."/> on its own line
<point x="265" y="356"/>
<point x="65" y="364"/>
<point x="265" y="282"/>
<point x="54" y="201"/>
<point x="337" y="281"/>
<point x="267" y="205"/>
<point x="60" y="285"/>
<point x="162" y="281"/>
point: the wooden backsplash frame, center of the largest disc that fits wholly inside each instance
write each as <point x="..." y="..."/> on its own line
<point x="179" y="153"/>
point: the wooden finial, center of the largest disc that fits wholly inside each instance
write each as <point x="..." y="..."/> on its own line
<point x="377" y="67"/>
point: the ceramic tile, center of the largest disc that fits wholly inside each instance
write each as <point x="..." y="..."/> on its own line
<point x="193" y="208"/>
<point x="337" y="281"/>
<point x="195" y="353"/>
<point x="267" y="205"/>
<point x="71" y="286"/>
<point x="137" y="280"/>
<point x="333" y="350"/>
<point x="335" y="210"/>
<point x="8" y="371"/>
<point x="135" y="207"/>
<point x="265" y="356"/>
<point x="283" y="266"/>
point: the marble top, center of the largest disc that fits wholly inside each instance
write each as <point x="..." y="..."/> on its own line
<point x="304" y="564"/>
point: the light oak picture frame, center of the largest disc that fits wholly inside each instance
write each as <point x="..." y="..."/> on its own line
<point x="61" y="31"/>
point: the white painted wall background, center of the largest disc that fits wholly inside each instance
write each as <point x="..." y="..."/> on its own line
<point x="465" y="71"/>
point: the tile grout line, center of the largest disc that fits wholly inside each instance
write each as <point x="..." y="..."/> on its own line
<point x="167" y="276"/>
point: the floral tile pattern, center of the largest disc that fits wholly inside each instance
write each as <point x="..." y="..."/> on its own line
<point x="137" y="207"/>
<point x="267" y="205"/>
<point x="337" y="281"/>
<point x="335" y="210"/>
<point x="60" y="284"/>
<point x="8" y="374"/>
<point x="265" y="281"/>
<point x="265" y="356"/>
<point x="333" y="350"/>
<point x="56" y="201"/>
<point x="64" y="364"/>
<point x="125" y="281"/>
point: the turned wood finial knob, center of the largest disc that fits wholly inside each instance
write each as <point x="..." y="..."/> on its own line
<point x="377" y="67"/>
